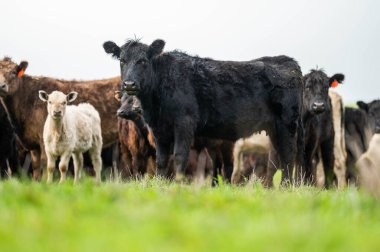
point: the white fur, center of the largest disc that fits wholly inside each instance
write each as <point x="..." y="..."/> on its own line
<point x="77" y="131"/>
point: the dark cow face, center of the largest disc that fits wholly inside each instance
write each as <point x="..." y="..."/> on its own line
<point x="130" y="106"/>
<point x="9" y="72"/>
<point x="317" y="84"/>
<point x="136" y="63"/>
<point x="373" y="110"/>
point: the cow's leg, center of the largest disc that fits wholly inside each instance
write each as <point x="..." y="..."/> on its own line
<point x="36" y="164"/>
<point x="183" y="138"/>
<point x="285" y="143"/>
<point x="50" y="167"/>
<point x="126" y="161"/>
<point x="3" y="168"/>
<point x="227" y="149"/>
<point x="95" y="154"/>
<point x="237" y="174"/>
<point x="327" y="151"/>
<point x="78" y="165"/>
<point x="273" y="165"/>
<point x="300" y="159"/>
<point x="307" y="176"/>
<point x="162" y="158"/>
<point x="63" y="165"/>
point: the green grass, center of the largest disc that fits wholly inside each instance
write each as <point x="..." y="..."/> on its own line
<point x="154" y="215"/>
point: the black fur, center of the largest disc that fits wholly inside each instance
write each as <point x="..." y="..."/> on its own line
<point x="184" y="96"/>
<point x="8" y="151"/>
<point x="318" y="125"/>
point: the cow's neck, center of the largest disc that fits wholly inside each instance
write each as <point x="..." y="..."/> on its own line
<point x="57" y="127"/>
<point x="148" y="100"/>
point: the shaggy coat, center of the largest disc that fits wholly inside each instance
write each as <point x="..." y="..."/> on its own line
<point x="29" y="113"/>
<point x="184" y="96"/>
<point x="70" y="131"/>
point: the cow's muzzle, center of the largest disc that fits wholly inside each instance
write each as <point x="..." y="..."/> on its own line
<point x="3" y="89"/>
<point x="318" y="107"/>
<point x="130" y="87"/>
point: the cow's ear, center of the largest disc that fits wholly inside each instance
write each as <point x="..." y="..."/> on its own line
<point x="362" y="105"/>
<point x="118" y="95"/>
<point x="156" y="48"/>
<point x="21" y="68"/>
<point x="336" y="79"/>
<point x="43" y="96"/>
<point x="71" y="96"/>
<point x="111" y="48"/>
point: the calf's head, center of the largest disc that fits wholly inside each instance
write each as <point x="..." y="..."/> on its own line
<point x="57" y="102"/>
<point x="10" y="73"/>
<point x="136" y="63"/>
<point x="130" y="106"/>
<point x="373" y="111"/>
<point x="317" y="84"/>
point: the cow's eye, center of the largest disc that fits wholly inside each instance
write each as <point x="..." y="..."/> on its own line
<point x="63" y="103"/>
<point x="49" y="102"/>
<point x="122" y="61"/>
<point x="141" y="62"/>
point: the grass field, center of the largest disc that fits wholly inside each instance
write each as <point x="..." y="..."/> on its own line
<point x="155" y="215"/>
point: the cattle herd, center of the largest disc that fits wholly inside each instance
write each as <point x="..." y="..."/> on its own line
<point x="184" y="118"/>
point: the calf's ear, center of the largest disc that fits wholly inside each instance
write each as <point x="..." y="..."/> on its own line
<point x="43" y="96"/>
<point x="71" y="96"/>
<point x="21" y="68"/>
<point x="336" y="79"/>
<point x="362" y="105"/>
<point x="156" y="48"/>
<point x="118" y="95"/>
<point x="111" y="48"/>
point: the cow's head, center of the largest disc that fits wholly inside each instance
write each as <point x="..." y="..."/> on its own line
<point x="136" y="63"/>
<point x="373" y="110"/>
<point x="317" y="84"/>
<point x="130" y="106"/>
<point x="57" y="102"/>
<point x="10" y="72"/>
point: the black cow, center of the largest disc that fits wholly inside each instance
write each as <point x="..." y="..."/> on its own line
<point x="360" y="125"/>
<point x="318" y="126"/>
<point x="184" y="96"/>
<point x="8" y="151"/>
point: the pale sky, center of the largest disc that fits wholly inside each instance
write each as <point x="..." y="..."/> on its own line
<point x="64" y="39"/>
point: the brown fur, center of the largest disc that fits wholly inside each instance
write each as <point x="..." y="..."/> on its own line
<point x="29" y="113"/>
<point x="137" y="152"/>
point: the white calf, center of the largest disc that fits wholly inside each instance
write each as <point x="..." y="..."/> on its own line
<point x="69" y="131"/>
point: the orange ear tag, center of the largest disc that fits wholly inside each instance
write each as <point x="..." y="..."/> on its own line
<point x="20" y="73"/>
<point x="334" y="84"/>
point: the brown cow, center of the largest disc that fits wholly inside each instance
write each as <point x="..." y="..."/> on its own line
<point x="29" y="114"/>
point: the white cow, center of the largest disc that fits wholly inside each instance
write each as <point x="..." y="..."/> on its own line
<point x="70" y="130"/>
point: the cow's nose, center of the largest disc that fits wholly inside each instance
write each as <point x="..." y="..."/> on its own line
<point x="120" y="112"/>
<point x="318" y="107"/>
<point x="57" y="113"/>
<point x="129" y="84"/>
<point x="3" y="86"/>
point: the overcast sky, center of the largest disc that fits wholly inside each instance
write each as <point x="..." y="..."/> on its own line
<point x="64" y="39"/>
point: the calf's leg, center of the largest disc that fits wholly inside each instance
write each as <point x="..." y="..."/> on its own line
<point x="327" y="151"/>
<point x="63" y="165"/>
<point x="95" y="154"/>
<point x="50" y="167"/>
<point x="78" y="165"/>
